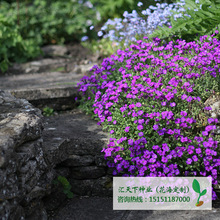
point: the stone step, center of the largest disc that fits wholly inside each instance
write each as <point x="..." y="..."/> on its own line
<point x="52" y="89"/>
<point x="66" y="58"/>
<point x="99" y="208"/>
<point x="74" y="141"/>
<point x="73" y="133"/>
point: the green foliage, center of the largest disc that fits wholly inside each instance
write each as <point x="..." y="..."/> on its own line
<point x="13" y="47"/>
<point x="65" y="185"/>
<point x="204" y="20"/>
<point x="48" y="111"/>
<point x="51" y="21"/>
<point x="111" y="9"/>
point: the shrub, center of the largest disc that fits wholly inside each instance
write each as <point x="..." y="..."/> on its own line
<point x="52" y="21"/>
<point x="200" y="17"/>
<point x="13" y="47"/>
<point x="150" y="98"/>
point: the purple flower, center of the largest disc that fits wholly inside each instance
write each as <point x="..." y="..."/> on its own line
<point x="183" y="113"/>
<point x="138" y="104"/>
<point x="208" y="108"/>
<point x="204" y="133"/>
<point x="172" y="104"/>
<point x="210" y="120"/>
<point x="198" y="99"/>
<point x="183" y="139"/>
<point x="210" y="127"/>
<point x="141" y="134"/>
<point x="132" y="167"/>
<point x="198" y="139"/>
<point x="161" y="132"/>
<point x="166" y="170"/>
<point x="189" y="99"/>
<point x="164" y="159"/>
<point x="177" y="120"/>
<point x="109" y="118"/>
<point x="189" y="120"/>
<point x="111" y="132"/>
<point x="164" y="114"/>
<point x="114" y="172"/>
<point x="155" y="127"/>
<point x="184" y="96"/>
<point x="198" y="150"/>
<point x="177" y="55"/>
<point x="189" y="161"/>
<point x="195" y="158"/>
<point x="127" y="129"/>
<point x="140" y="112"/>
<point x="155" y="147"/>
<point x="143" y="161"/>
<point x="140" y="121"/>
<point x="170" y="131"/>
<point x="165" y="147"/>
<point x="208" y="152"/>
<point x="140" y="127"/>
<point x="130" y="141"/>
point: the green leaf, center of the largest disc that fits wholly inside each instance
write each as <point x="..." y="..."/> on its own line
<point x="196" y="186"/>
<point x="203" y="192"/>
<point x="69" y="195"/>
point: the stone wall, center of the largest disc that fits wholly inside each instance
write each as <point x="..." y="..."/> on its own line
<point x="28" y="165"/>
<point x="21" y="154"/>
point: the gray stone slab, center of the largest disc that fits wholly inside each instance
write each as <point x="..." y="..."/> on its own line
<point x="72" y="125"/>
<point x="53" y="89"/>
<point x="89" y="208"/>
<point x="72" y="134"/>
<point x="39" y="80"/>
<point x="174" y="215"/>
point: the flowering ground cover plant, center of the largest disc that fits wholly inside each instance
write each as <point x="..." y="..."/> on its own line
<point x="150" y="98"/>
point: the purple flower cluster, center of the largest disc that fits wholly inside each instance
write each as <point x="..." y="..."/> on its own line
<point x="152" y="98"/>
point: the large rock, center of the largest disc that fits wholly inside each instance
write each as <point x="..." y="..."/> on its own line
<point x="76" y="160"/>
<point x="54" y="50"/>
<point x="19" y="123"/>
<point x="214" y="102"/>
<point x="21" y="154"/>
<point x="88" y="172"/>
<point x="102" y="186"/>
<point x="39" y="66"/>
